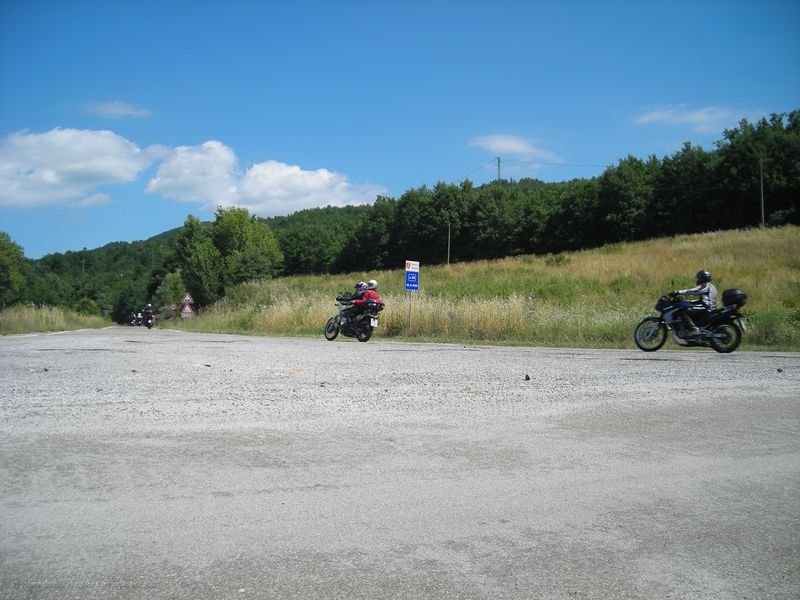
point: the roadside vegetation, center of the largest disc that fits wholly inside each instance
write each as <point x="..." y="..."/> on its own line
<point x="29" y="318"/>
<point x="590" y="298"/>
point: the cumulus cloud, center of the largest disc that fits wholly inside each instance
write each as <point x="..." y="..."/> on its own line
<point x="209" y="175"/>
<point x="204" y="174"/>
<point x="274" y="188"/>
<point x="500" y="143"/>
<point x="116" y="110"/>
<point x="705" y="120"/>
<point x="65" y="165"/>
<point x="70" y="166"/>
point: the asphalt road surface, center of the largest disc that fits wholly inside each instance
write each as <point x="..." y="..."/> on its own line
<point x="159" y="464"/>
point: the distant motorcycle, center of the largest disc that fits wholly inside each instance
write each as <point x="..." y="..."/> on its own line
<point x="360" y="326"/>
<point x="720" y="329"/>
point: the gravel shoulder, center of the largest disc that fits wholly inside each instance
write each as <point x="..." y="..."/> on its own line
<point x="164" y="464"/>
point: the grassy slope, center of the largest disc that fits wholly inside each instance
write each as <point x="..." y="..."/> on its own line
<point x="592" y="298"/>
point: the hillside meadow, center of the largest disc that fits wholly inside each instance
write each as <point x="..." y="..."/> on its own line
<point x="592" y="298"/>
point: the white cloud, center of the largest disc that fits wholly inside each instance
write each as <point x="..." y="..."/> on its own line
<point x="68" y="166"/>
<point x="63" y="165"/>
<point x="209" y="175"/>
<point x="274" y="188"/>
<point x="116" y="110"/>
<point x="705" y="120"/>
<point x="205" y="175"/>
<point x="500" y="143"/>
<point x="94" y="200"/>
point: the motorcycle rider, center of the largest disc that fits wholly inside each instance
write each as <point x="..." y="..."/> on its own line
<point x="353" y="310"/>
<point x="369" y="295"/>
<point x="148" y="313"/>
<point x="706" y="301"/>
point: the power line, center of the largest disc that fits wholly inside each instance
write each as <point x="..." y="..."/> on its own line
<point x="498" y="160"/>
<point x="483" y="166"/>
<point x="547" y="164"/>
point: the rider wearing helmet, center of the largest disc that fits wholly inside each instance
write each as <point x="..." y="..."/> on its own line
<point x="149" y="313"/>
<point x="706" y="300"/>
<point x="355" y="299"/>
<point x="369" y="294"/>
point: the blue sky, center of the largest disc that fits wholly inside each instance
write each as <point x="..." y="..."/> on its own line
<point x="119" y="119"/>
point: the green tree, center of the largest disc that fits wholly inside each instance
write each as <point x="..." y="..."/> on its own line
<point x="247" y="247"/>
<point x="87" y="306"/>
<point x="770" y="151"/>
<point x="683" y="189"/>
<point x="371" y="245"/>
<point x="12" y="280"/>
<point x="200" y="262"/>
<point x="571" y="224"/>
<point x="170" y="291"/>
<point x="625" y="191"/>
<point x="307" y="248"/>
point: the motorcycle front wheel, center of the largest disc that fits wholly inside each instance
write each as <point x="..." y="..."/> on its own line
<point x="650" y="334"/>
<point x="331" y="330"/>
<point x="726" y="338"/>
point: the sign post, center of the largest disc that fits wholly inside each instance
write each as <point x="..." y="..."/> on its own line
<point x="186" y="311"/>
<point x="412" y="283"/>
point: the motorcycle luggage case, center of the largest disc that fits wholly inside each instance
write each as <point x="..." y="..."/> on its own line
<point x="734" y="296"/>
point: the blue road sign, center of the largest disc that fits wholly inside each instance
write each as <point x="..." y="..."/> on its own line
<point x="412" y="280"/>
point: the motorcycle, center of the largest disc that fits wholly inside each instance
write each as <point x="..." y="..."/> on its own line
<point x="720" y="329"/>
<point x="360" y="326"/>
<point x="150" y="320"/>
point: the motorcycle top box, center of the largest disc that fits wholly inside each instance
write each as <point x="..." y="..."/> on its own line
<point x="734" y="297"/>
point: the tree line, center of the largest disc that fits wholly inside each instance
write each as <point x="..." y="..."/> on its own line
<point x="691" y="191"/>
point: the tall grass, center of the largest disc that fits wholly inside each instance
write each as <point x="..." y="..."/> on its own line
<point x="28" y="318"/>
<point x="591" y="298"/>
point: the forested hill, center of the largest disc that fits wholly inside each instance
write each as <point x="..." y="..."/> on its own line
<point x="693" y="190"/>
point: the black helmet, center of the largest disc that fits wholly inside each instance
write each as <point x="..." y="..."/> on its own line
<point x="703" y="277"/>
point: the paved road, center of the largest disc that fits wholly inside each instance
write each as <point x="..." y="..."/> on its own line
<point x="158" y="464"/>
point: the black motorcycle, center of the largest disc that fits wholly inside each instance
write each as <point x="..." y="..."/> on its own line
<point x="720" y="329"/>
<point x="359" y="326"/>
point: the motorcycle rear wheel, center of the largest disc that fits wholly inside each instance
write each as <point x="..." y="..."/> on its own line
<point x="331" y="330"/>
<point x="650" y="334"/>
<point x="363" y="335"/>
<point x="726" y="338"/>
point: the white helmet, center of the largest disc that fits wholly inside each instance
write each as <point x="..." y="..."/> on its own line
<point x="372" y="284"/>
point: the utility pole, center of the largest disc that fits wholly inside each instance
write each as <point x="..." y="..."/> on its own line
<point x="448" y="242"/>
<point x="761" y="170"/>
<point x="498" y="168"/>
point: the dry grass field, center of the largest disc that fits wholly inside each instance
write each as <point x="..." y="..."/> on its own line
<point x="591" y="298"/>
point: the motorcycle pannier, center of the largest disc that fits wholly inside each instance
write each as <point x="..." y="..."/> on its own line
<point x="734" y="296"/>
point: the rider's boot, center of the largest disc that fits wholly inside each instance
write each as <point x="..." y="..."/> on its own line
<point x="690" y="327"/>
